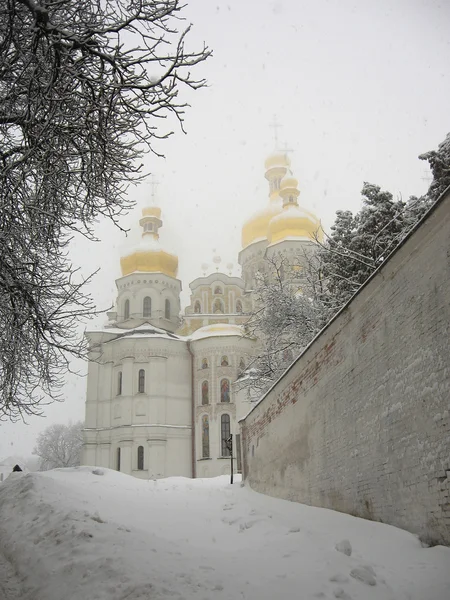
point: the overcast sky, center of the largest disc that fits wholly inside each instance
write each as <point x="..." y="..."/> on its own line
<point x="361" y="88"/>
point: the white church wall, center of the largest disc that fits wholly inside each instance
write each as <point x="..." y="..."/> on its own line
<point x="159" y="418"/>
<point x="214" y="349"/>
<point x="157" y="286"/>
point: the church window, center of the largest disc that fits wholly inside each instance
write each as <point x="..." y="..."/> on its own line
<point x="197" y="308"/>
<point x="204" y="363"/>
<point x="225" y="431"/>
<point x="238" y="306"/>
<point x="218" y="290"/>
<point x="205" y="393"/>
<point x="205" y="436"/>
<point x="218" y="306"/>
<point x="167" y="309"/>
<point x="141" y="381"/>
<point x="147" y="308"/>
<point x="119" y="383"/>
<point x="126" y="309"/>
<point x="242" y="365"/>
<point x="224" y="361"/>
<point x="118" y="459"/>
<point x="140" y="458"/>
<point x="225" y="390"/>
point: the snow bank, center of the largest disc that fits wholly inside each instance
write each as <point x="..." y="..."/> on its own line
<point x="91" y="533"/>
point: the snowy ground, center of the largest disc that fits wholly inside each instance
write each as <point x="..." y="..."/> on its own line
<point x="94" y="534"/>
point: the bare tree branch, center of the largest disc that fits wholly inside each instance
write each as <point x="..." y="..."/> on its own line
<point x="86" y="90"/>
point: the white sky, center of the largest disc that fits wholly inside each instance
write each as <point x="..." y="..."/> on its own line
<point x="360" y="87"/>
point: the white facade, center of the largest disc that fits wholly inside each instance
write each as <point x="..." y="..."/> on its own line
<point x="161" y="394"/>
<point x="221" y="354"/>
<point x="138" y="405"/>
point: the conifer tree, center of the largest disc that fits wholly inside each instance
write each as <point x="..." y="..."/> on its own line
<point x="439" y="161"/>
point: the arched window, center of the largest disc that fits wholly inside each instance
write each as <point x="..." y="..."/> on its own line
<point x="225" y="432"/>
<point x="225" y="390"/>
<point x="204" y="363"/>
<point x="140" y="458"/>
<point x="118" y="459"/>
<point x="126" y="310"/>
<point x="205" y="393"/>
<point x="141" y="381"/>
<point x="167" y="309"/>
<point x="205" y="436"/>
<point x="119" y="383"/>
<point x="242" y="365"/>
<point x="197" y="308"/>
<point x="218" y="306"/>
<point x="238" y="306"/>
<point x="218" y="290"/>
<point x="224" y="361"/>
<point x="147" y="307"/>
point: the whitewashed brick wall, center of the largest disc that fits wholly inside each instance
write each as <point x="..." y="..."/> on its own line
<point x="360" y="423"/>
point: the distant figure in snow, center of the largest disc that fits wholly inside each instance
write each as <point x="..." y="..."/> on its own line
<point x="16" y="469"/>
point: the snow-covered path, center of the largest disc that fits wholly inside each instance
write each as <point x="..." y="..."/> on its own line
<point x="96" y="534"/>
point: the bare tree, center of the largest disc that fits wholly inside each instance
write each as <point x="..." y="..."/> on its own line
<point x="287" y="315"/>
<point x="59" y="446"/>
<point x="86" y="88"/>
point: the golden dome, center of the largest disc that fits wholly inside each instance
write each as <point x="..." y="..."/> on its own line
<point x="289" y="183"/>
<point x="256" y="227"/>
<point x="149" y="261"/>
<point x="148" y="256"/>
<point x="277" y="160"/>
<point x="151" y="211"/>
<point x="294" y="222"/>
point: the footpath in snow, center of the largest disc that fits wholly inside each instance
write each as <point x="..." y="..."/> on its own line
<point x="95" y="534"/>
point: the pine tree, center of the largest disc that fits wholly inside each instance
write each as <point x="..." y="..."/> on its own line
<point x="439" y="161"/>
<point x="359" y="243"/>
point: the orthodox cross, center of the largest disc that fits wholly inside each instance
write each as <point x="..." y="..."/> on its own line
<point x="286" y="149"/>
<point x="154" y="184"/>
<point x="275" y="126"/>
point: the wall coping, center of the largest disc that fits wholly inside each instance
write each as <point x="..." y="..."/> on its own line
<point x="442" y="198"/>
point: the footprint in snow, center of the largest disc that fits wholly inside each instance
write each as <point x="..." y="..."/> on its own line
<point x="294" y="530"/>
<point x="247" y="525"/>
<point x="345" y="547"/>
<point x="366" y="574"/>
<point x="339" y="578"/>
<point x="341" y="594"/>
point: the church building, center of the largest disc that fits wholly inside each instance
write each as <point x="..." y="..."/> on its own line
<point x="161" y="399"/>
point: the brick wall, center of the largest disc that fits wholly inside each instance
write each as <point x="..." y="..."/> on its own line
<point x="360" y="423"/>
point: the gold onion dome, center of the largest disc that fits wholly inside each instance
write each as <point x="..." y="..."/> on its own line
<point x="278" y="159"/>
<point x="255" y="228"/>
<point x="148" y="256"/>
<point x="293" y="222"/>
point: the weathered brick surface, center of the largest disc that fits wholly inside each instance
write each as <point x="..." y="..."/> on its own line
<point x="360" y="423"/>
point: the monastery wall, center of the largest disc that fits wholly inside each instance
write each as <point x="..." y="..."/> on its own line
<point x="360" y="422"/>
